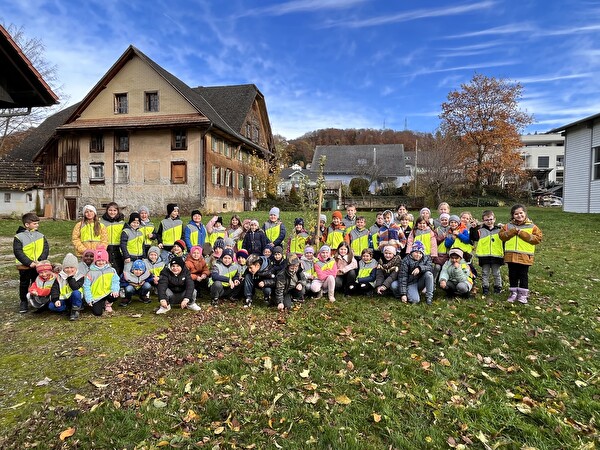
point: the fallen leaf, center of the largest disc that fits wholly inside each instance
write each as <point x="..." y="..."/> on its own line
<point x="136" y="316"/>
<point x="79" y="397"/>
<point x="376" y="417"/>
<point x="43" y="382"/>
<point x="304" y="373"/>
<point x="268" y="364"/>
<point x="534" y="374"/>
<point x="580" y="383"/>
<point x="191" y="416"/>
<point x="312" y="399"/>
<point x="343" y="400"/>
<point x="67" y="433"/>
<point x="188" y="388"/>
<point x="98" y="384"/>
<point x="445" y="362"/>
<point x="219" y="430"/>
<point x="159" y="403"/>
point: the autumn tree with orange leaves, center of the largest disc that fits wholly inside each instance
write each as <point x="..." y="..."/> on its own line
<point x="485" y="114"/>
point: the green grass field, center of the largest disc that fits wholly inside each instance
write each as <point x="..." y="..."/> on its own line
<point x="361" y="373"/>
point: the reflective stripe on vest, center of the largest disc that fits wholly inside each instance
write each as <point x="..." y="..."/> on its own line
<point x="135" y="241"/>
<point x="86" y="234"/>
<point x="171" y="231"/>
<point x="359" y="240"/>
<point x="113" y="231"/>
<point x="517" y="245"/>
<point x="489" y="243"/>
<point x="33" y="244"/>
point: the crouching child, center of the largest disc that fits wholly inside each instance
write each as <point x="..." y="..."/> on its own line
<point x="367" y="273"/>
<point x="38" y="294"/>
<point x="224" y="278"/>
<point x="176" y="287"/>
<point x="66" y="293"/>
<point x="259" y="275"/>
<point x="456" y="277"/>
<point x="415" y="274"/>
<point x="136" y="279"/>
<point x="290" y="284"/>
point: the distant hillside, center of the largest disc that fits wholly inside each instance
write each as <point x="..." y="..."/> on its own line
<point x="302" y="149"/>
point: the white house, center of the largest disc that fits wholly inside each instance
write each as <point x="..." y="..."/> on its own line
<point x="582" y="165"/>
<point x="544" y="157"/>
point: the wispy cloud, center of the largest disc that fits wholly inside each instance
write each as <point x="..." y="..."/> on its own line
<point x="411" y="15"/>
<point x="300" y="6"/>
<point x="551" y="78"/>
<point x="514" y="28"/>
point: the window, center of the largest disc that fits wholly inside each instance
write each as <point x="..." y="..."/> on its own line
<point x="543" y="162"/>
<point x="29" y="197"/>
<point x="249" y="182"/>
<point x="7" y="197"/>
<point x="228" y="178"/>
<point x="214" y="144"/>
<point x="71" y="176"/>
<point x="227" y="150"/>
<point x="256" y="134"/>
<point x="179" y="141"/>
<point x="178" y="172"/>
<point x="362" y="162"/>
<point x="97" y="172"/>
<point x="121" y="104"/>
<point x="241" y="181"/>
<point x="560" y="160"/>
<point x="121" y="173"/>
<point x="596" y="163"/>
<point x="151" y="101"/>
<point x="97" y="143"/>
<point x="214" y="175"/>
<point x="121" y="141"/>
<point x="560" y="176"/>
<point x="248" y="130"/>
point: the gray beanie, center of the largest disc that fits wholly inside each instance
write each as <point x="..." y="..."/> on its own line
<point x="154" y="249"/>
<point x="70" y="260"/>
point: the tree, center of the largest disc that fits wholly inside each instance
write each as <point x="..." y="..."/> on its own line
<point x="359" y="186"/>
<point x="485" y="115"/>
<point x="34" y="49"/>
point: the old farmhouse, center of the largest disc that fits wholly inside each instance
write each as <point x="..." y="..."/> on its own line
<point x="141" y="136"/>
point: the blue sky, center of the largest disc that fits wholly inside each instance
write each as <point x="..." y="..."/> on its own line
<point x="336" y="63"/>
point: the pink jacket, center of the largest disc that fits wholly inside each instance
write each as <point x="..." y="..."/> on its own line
<point x="325" y="268"/>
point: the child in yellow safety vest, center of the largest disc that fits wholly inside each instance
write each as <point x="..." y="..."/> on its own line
<point x="114" y="221"/>
<point x="39" y="291"/>
<point x="366" y="274"/>
<point x="101" y="284"/>
<point x="298" y="239"/>
<point x="274" y="228"/>
<point x="520" y="237"/>
<point x="489" y="250"/>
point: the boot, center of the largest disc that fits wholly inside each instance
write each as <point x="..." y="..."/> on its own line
<point x="522" y="295"/>
<point x="513" y="294"/>
<point x="74" y="314"/>
<point x="23" y="307"/>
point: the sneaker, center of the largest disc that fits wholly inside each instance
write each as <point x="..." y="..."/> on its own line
<point x="145" y="299"/>
<point x="331" y="299"/>
<point x="108" y="308"/>
<point x="163" y="310"/>
<point x="122" y="293"/>
<point x="429" y="301"/>
<point x="23" y="307"/>
<point x="248" y="302"/>
<point x="193" y="307"/>
<point x="319" y="295"/>
<point x="497" y="289"/>
<point x="215" y="302"/>
<point x="486" y="290"/>
<point x="74" y="315"/>
<point x="124" y="303"/>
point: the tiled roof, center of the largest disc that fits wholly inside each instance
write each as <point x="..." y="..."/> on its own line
<point x="135" y="122"/>
<point x="354" y="159"/>
<point x="17" y="175"/>
<point x="232" y="102"/>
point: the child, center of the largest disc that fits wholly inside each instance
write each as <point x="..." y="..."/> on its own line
<point x="259" y="274"/>
<point x="241" y="258"/>
<point x="245" y="229"/>
<point x="194" y="232"/>
<point x="87" y="259"/>
<point x="374" y="235"/>
<point x="458" y="237"/>
<point x="424" y="234"/>
<point x="255" y="240"/>
<point x="321" y="228"/>
<point x="389" y="232"/>
<point x="297" y="241"/>
<point x="456" y="277"/>
<point x="489" y="251"/>
<point x="235" y="229"/>
<point x="215" y="253"/>
<point x="441" y="233"/>
<point x="66" y="294"/>
<point x="335" y="231"/>
<point x="350" y="220"/>
<point x="443" y="208"/>
<point x="404" y="230"/>
<point x="225" y="278"/>
<point x="178" y="249"/>
<point x="155" y="265"/>
<point x="268" y="251"/>
<point x="89" y="233"/>
<point x="114" y="220"/>
<point x="346" y="268"/>
<point x="307" y="264"/>
<point x="425" y="213"/>
<point x="274" y="228"/>
<point x="326" y="270"/>
<point x="199" y="271"/>
<point x="146" y="227"/>
<point x="136" y="279"/>
<point x="215" y="230"/>
<point x="358" y="237"/>
<point x="415" y="274"/>
<point x="290" y="284"/>
<point x="169" y="230"/>
<point x="101" y="284"/>
<point x="29" y="247"/>
<point x="132" y="239"/>
<point x="366" y="275"/>
<point x="387" y="272"/>
<point x="176" y="287"/>
<point x="402" y="209"/>
<point x="278" y="263"/>
<point x="520" y="237"/>
<point x="39" y="292"/>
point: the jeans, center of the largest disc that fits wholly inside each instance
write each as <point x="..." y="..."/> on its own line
<point x="414" y="289"/>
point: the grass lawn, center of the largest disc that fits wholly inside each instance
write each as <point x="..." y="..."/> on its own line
<point x="361" y="373"/>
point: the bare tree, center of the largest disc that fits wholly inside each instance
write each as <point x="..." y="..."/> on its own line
<point x="484" y="114"/>
<point x="12" y="125"/>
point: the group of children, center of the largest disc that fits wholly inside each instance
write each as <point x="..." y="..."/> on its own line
<point x="398" y="255"/>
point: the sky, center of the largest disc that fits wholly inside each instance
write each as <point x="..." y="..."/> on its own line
<point x="336" y="63"/>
